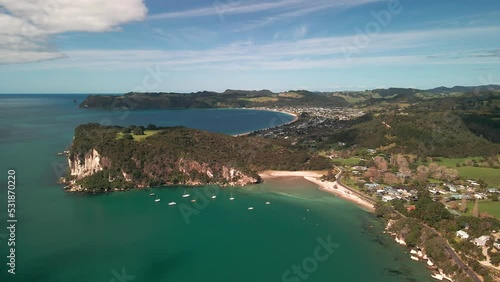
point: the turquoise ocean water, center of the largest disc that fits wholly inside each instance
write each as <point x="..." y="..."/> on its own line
<point x="117" y="237"/>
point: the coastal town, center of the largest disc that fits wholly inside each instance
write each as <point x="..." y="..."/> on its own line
<point x="310" y="121"/>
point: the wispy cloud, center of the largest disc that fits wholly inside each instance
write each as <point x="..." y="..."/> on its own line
<point x="278" y="10"/>
<point x="229" y="8"/>
<point x="324" y="52"/>
<point x="300" y="11"/>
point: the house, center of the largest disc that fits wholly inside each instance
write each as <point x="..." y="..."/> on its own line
<point x="371" y="186"/>
<point x="493" y="190"/>
<point x="360" y="168"/>
<point x="456" y="197"/>
<point x="496" y="245"/>
<point x="481" y="241"/>
<point x="387" y="198"/>
<point x="462" y="234"/>
<point x="480" y="196"/>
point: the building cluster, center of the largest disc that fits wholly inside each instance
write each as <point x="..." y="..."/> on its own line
<point x="481" y="240"/>
<point x="312" y="120"/>
<point x="389" y="193"/>
<point x="321" y="112"/>
<point x="470" y="190"/>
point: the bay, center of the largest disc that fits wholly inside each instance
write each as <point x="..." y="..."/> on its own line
<point x="64" y="236"/>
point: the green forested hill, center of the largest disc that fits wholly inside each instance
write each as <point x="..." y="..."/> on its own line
<point x="422" y="133"/>
<point x="179" y="155"/>
<point x="206" y="99"/>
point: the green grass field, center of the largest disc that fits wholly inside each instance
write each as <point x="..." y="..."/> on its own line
<point x="347" y="162"/>
<point x="489" y="207"/>
<point x="452" y="162"/>
<point x="147" y="133"/>
<point x="490" y="175"/>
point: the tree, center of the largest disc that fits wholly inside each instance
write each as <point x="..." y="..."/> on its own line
<point x="463" y="205"/>
<point x="372" y="172"/>
<point x="127" y="136"/>
<point x="450" y="174"/>
<point x="330" y="176"/>
<point x="151" y="127"/>
<point x="138" y="131"/>
<point x="381" y="163"/>
<point x="475" y="210"/>
<point x="126" y="130"/>
<point x="422" y="173"/>
<point x="390" y="178"/>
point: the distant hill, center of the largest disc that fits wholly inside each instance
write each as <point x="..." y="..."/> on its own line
<point x="206" y="99"/>
<point x="464" y="89"/>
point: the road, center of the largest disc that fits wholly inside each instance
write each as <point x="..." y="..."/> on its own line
<point x="447" y="247"/>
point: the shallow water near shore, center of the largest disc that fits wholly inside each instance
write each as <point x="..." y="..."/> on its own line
<point x="126" y="235"/>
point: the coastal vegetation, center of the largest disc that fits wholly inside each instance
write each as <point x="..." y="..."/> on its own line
<point x="102" y="160"/>
<point x="432" y="229"/>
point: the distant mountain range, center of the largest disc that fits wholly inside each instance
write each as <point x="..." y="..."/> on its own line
<point x="265" y="98"/>
<point x="442" y="89"/>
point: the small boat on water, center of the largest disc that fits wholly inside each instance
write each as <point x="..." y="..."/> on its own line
<point x="185" y="195"/>
<point x="157" y="200"/>
<point x="268" y="203"/>
<point x="172" y="203"/>
<point x="213" y="197"/>
<point x="193" y="201"/>
<point x="152" y="194"/>
<point x="250" y="208"/>
<point x="231" y="198"/>
<point x="437" y="276"/>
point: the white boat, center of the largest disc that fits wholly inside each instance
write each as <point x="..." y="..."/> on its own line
<point x="250" y="208"/>
<point x="213" y="197"/>
<point x="437" y="276"/>
<point x="268" y="203"/>
<point x="185" y="195"/>
<point x="172" y="203"/>
<point x="193" y="201"/>
<point x="414" y="258"/>
<point x="157" y="200"/>
<point x="231" y="198"/>
<point x="152" y="194"/>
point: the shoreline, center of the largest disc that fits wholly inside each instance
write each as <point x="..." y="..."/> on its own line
<point x="328" y="186"/>
<point x="295" y="119"/>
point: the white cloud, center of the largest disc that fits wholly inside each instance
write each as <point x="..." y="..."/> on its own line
<point x="28" y="25"/>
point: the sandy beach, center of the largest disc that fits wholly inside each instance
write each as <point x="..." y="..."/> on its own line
<point x="296" y="118"/>
<point x="328" y="186"/>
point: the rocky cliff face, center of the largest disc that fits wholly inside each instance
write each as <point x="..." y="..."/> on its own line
<point x="93" y="162"/>
<point x="90" y="164"/>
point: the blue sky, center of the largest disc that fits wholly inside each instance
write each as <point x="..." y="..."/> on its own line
<point x="117" y="46"/>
